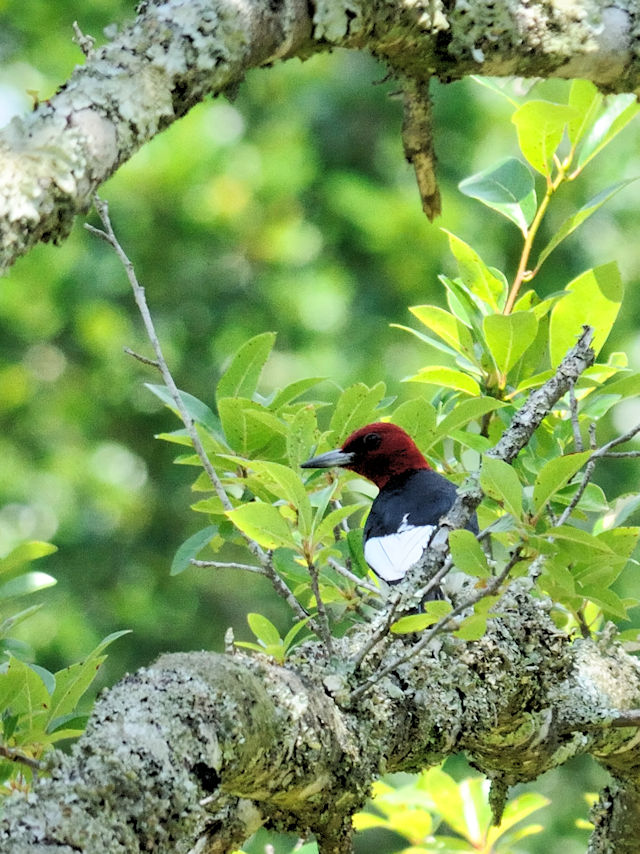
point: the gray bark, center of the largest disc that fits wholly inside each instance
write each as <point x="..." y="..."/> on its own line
<point x="178" y="51"/>
<point x="197" y="752"/>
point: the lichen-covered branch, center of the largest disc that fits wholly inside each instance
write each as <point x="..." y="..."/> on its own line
<point x="198" y="751"/>
<point x="178" y="51"/>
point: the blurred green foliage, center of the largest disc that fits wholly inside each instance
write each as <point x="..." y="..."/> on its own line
<point x="290" y="209"/>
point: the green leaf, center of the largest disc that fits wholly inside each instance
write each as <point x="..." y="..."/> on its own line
<point x="418" y="417"/>
<point x="23" y="691"/>
<point x="581" y="539"/>
<point x="475" y="274"/>
<point x="594" y="297"/>
<point x="190" y="548"/>
<point x="28" y="582"/>
<point x="467" y="554"/>
<point x="509" y="336"/>
<point x="447" y="327"/>
<point x="585" y="99"/>
<point x="463" y="412"/>
<point x="432" y="613"/>
<point x="576" y="219"/>
<point x="264" y="630"/>
<point x="285" y="484"/>
<point x="500" y="481"/>
<point x="617" y="114"/>
<point x="293" y="391"/>
<point x="508" y="188"/>
<point x="24" y="554"/>
<point x="554" y="475"/>
<point x="198" y="410"/>
<point x="301" y="436"/>
<point x="355" y="407"/>
<point x="331" y="521"/>
<point x="540" y="126"/>
<point x="472" y="628"/>
<point x="241" y="377"/>
<point x="446" y="377"/>
<point x="263" y="523"/>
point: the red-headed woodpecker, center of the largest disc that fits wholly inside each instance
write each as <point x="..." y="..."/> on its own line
<point x="411" y="501"/>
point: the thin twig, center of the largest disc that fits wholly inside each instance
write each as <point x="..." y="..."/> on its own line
<point x="323" y="617"/>
<point x="145" y="361"/>
<point x="14" y="755"/>
<point x="439" y="627"/>
<point x="360" y="582"/>
<point x="575" y="424"/>
<point x="217" y="564"/>
<point x="381" y="632"/>
<point x="109" y="236"/>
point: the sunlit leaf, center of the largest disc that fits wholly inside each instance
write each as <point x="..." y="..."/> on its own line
<point x="467" y="554"/>
<point x="576" y="219"/>
<point x="355" y="407"/>
<point x="432" y="613"/>
<point x="24" y="554"/>
<point x="554" y="475"/>
<point x="475" y="274"/>
<point x="585" y="99"/>
<point x="447" y="327"/>
<point x="241" y="377"/>
<point x="499" y="481"/>
<point x="509" y="336"/>
<point x="619" y="111"/>
<point x="540" y="126"/>
<point x="593" y="298"/>
<point x="447" y="378"/>
<point x="263" y="523"/>
<point x="508" y="188"/>
<point x="264" y="629"/>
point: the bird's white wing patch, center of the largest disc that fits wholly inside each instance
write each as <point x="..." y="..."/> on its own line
<point x="392" y="555"/>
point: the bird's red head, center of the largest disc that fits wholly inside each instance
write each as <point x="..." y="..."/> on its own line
<point x="377" y="451"/>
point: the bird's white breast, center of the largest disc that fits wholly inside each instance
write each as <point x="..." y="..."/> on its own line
<point x="391" y="555"/>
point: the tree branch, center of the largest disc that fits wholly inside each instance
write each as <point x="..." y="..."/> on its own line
<point x="176" y="52"/>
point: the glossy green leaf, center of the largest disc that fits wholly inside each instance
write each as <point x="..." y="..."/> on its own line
<point x="356" y="406"/>
<point x="586" y="100"/>
<point x="463" y="413"/>
<point x="264" y="629"/>
<point x="24" y="554"/>
<point x="500" y="481"/>
<point x="467" y="554"/>
<point x="286" y="485"/>
<point x="554" y="475"/>
<point x="618" y="112"/>
<point x="241" y="377"/>
<point x="301" y="436"/>
<point x="23" y="691"/>
<point x="446" y="378"/>
<point x="190" y="548"/>
<point x="508" y="188"/>
<point x="418" y="417"/>
<point x="509" y="336"/>
<point x="432" y="613"/>
<point x="576" y="219"/>
<point x="576" y="537"/>
<point x="446" y="326"/>
<point x="293" y="391"/>
<point x="475" y="274"/>
<point x="333" y="519"/>
<point x="28" y="582"/>
<point x="198" y="410"/>
<point x="593" y="298"/>
<point x="540" y="126"/>
<point x="263" y="523"/>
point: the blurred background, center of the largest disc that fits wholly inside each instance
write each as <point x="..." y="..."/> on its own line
<point x="289" y="209"/>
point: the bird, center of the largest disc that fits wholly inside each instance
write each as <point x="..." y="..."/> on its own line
<point x="411" y="500"/>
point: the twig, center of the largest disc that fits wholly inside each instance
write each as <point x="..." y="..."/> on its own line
<point x="145" y="361"/>
<point x="439" y="627"/>
<point x="381" y="632"/>
<point x="216" y="564"/>
<point x="109" y="236"/>
<point x="575" y="424"/>
<point x="14" y="755"/>
<point x="361" y="582"/>
<point x="323" y="617"/>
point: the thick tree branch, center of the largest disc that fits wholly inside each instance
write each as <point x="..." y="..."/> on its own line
<point x="178" y="51"/>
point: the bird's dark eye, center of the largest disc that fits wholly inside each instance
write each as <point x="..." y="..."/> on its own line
<point x="371" y="441"/>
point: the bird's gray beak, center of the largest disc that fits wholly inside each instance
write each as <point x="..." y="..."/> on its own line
<point x="328" y="460"/>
